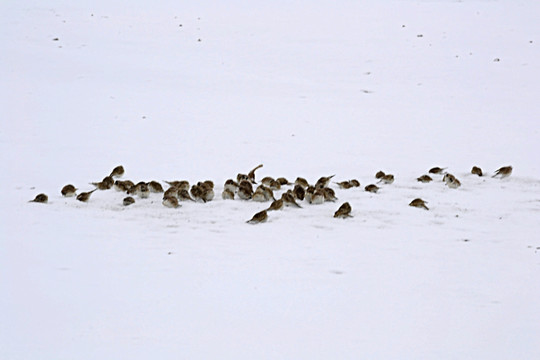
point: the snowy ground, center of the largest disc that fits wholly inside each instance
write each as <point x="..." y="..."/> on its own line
<point x="204" y="91"/>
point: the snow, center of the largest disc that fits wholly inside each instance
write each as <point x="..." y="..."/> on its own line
<point x="308" y="89"/>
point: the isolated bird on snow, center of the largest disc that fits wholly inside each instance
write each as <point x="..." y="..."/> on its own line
<point x="344" y="211"/>
<point x="259" y="217"/>
<point x="476" y="171"/>
<point x="424" y="179"/>
<point x="128" y="201"/>
<point x="40" y="198"/>
<point x="505" y="171"/>
<point x="372" y="188"/>
<point x="419" y="203"/>
<point x="437" y="170"/>
<point x="387" y="179"/>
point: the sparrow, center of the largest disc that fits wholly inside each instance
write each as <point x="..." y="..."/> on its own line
<point x="68" y="190"/>
<point x="299" y="192"/>
<point x="437" y="170"/>
<point x="231" y="185"/>
<point x="117" y="171"/>
<point x="207" y="190"/>
<point x="155" y="187"/>
<point x="196" y="191"/>
<point x="85" y="196"/>
<point x="267" y="180"/>
<point x="171" y="202"/>
<point x="379" y="174"/>
<point x="419" y="203"/>
<point x="344" y="184"/>
<point x="288" y="200"/>
<point x="276" y="205"/>
<point x="245" y="190"/>
<point x="476" y="171"/>
<point x="452" y="182"/>
<point x="355" y="183"/>
<point x="302" y="182"/>
<point x="275" y="185"/>
<point x="259" y="217"/>
<point x="323" y="181"/>
<point x="183" y="195"/>
<point x="172" y="191"/>
<point x="251" y="174"/>
<point x="227" y="194"/>
<point x="317" y="197"/>
<point x="123" y="186"/>
<point x="259" y="196"/>
<point x="104" y="184"/>
<point x="344" y="211"/>
<point x="372" y="188"/>
<point x="308" y="196"/>
<point x="241" y="177"/>
<point x="128" y="201"/>
<point x="283" y="181"/>
<point x="505" y="171"/>
<point x="387" y="179"/>
<point x="40" y="198"/>
<point x="329" y="194"/>
<point x="144" y="190"/>
<point x="424" y="179"/>
<point x="179" y="184"/>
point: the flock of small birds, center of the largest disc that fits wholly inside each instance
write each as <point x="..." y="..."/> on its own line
<point x="243" y="188"/>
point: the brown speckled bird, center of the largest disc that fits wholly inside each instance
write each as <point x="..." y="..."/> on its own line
<point x="288" y="200"/>
<point x="117" y="171"/>
<point x="128" y="201"/>
<point x="104" y="184"/>
<point x="251" y="174"/>
<point x="259" y="217"/>
<point x="379" y="174"/>
<point x="344" y="211"/>
<point x="503" y="172"/>
<point x="372" y="188"/>
<point x="387" y="179"/>
<point x="85" y="196"/>
<point x="419" y="203"/>
<point x="323" y="182"/>
<point x="302" y="182"/>
<point x="227" y="194"/>
<point x="424" y="179"/>
<point x="437" y="170"/>
<point x="155" y="187"/>
<point x="276" y="205"/>
<point x="40" y="198"/>
<point x="476" y="171"/>
<point x="68" y="190"/>
<point x="170" y="202"/>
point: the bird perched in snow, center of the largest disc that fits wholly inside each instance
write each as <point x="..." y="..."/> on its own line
<point x="275" y="185"/>
<point x="123" y="186"/>
<point x="267" y="180"/>
<point x="372" y="188"/>
<point x="437" y="170"/>
<point x="283" y="181"/>
<point x="344" y="211"/>
<point x="288" y="200"/>
<point x="155" y="187"/>
<point x="505" y="171"/>
<point x="68" y="190"/>
<point x="316" y="198"/>
<point x="299" y="192"/>
<point x="344" y="184"/>
<point x="227" y="194"/>
<point x="172" y="191"/>
<point x="183" y="195"/>
<point x="171" y="202"/>
<point x="128" y="201"/>
<point x="231" y="185"/>
<point x="207" y="190"/>
<point x="323" y="182"/>
<point x="419" y="203"/>
<point x="104" y="184"/>
<point x="387" y="179"/>
<point x="179" y="184"/>
<point x="245" y="190"/>
<point x="424" y="179"/>
<point x="259" y="195"/>
<point x="259" y="217"/>
<point x="276" y="205"/>
<point x="329" y="194"/>
<point x="144" y="191"/>
<point x="40" y="198"/>
<point x="379" y="174"/>
<point x="301" y="182"/>
<point x="451" y="181"/>
<point x="355" y="183"/>
<point x="117" y="171"/>
<point x="85" y="196"/>
<point x="476" y="171"/>
<point x="251" y="174"/>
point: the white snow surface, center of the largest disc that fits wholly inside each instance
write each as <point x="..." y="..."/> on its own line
<point x="205" y="90"/>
